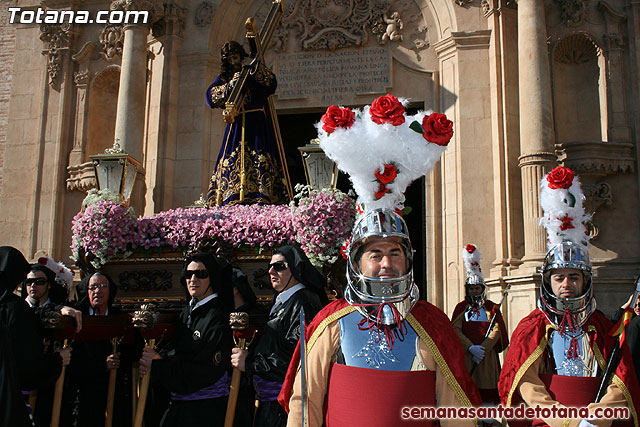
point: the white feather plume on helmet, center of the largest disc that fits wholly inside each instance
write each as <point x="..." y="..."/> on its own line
<point x="383" y="150"/>
<point x="64" y="276"/>
<point x="471" y="259"/>
<point x="562" y="199"/>
<point x="361" y="147"/>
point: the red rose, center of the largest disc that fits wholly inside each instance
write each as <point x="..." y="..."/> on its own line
<point x="388" y="175"/>
<point x="387" y="109"/>
<point x="567" y="222"/>
<point x="560" y="177"/>
<point x="470" y="248"/>
<point x="436" y="128"/>
<point x="337" y="117"/>
<point x="382" y="190"/>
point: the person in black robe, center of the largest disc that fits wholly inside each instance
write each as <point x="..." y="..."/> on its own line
<point x="298" y="285"/>
<point x="23" y="365"/>
<point x="194" y="366"/>
<point x="44" y="295"/>
<point x="86" y="388"/>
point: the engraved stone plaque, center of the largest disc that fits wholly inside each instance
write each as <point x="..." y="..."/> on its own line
<point x="334" y="76"/>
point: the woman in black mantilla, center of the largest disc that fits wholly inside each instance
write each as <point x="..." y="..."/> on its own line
<point x="298" y="285"/>
<point x="194" y="367"/>
<point x="263" y="182"/>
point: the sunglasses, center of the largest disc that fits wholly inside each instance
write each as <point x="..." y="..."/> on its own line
<point x="97" y="286"/>
<point x="279" y="265"/>
<point x="35" y="281"/>
<point x="200" y="274"/>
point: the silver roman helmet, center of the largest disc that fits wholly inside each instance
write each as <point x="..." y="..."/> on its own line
<point x="368" y="293"/>
<point x="471" y="261"/>
<point x="382" y="156"/>
<point x="572" y="256"/>
<point x="564" y="219"/>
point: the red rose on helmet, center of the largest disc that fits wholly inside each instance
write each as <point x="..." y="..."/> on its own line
<point x="387" y="109"/>
<point x="560" y="177"/>
<point x="388" y="175"/>
<point x="436" y="128"/>
<point x="382" y="190"/>
<point x="337" y="117"/>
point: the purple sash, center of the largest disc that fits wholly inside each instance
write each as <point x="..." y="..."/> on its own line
<point x="218" y="389"/>
<point x="268" y="391"/>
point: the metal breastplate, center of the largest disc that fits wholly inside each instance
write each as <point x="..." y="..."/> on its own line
<point x="584" y="365"/>
<point x="472" y="315"/>
<point x="369" y="348"/>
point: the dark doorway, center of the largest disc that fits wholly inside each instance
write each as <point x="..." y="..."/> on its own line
<point x="298" y="129"/>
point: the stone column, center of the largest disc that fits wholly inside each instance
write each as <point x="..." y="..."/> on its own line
<point x="129" y="130"/>
<point x="536" y="125"/>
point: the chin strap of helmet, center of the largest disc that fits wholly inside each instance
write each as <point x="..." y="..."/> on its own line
<point x="391" y="332"/>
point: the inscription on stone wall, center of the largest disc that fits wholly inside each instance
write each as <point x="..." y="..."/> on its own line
<point x="332" y="76"/>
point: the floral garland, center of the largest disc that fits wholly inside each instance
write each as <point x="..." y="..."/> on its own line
<point x="318" y="223"/>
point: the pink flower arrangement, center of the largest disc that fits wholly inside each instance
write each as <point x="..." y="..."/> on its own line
<point x="108" y="230"/>
<point x="322" y="220"/>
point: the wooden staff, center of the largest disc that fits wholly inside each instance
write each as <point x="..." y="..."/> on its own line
<point x="492" y="323"/>
<point x="111" y="391"/>
<point x="143" y="318"/>
<point x="238" y="322"/>
<point x="57" y="397"/>
<point x="33" y="397"/>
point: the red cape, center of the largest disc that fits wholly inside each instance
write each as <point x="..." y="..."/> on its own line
<point x="492" y="308"/>
<point x="528" y="336"/>
<point x="435" y="323"/>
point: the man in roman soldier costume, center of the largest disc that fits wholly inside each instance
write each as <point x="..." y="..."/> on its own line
<point x="559" y="352"/>
<point x="378" y="352"/>
<point x="248" y="169"/>
<point x="471" y="319"/>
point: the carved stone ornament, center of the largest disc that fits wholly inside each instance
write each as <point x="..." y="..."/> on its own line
<point x="145" y="280"/>
<point x="57" y="39"/>
<point x="572" y="12"/>
<point x="81" y="177"/>
<point x="203" y="16"/>
<point x="614" y="41"/>
<point x="172" y="22"/>
<point x="597" y="158"/>
<point x="487" y="7"/>
<point x="81" y="78"/>
<point x="576" y="49"/>
<point x="111" y="38"/>
<point x="463" y="3"/>
<point x="338" y="24"/>
<point x="596" y="195"/>
<point x="154" y="7"/>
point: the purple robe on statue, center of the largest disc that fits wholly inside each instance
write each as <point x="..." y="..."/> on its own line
<point x="261" y="163"/>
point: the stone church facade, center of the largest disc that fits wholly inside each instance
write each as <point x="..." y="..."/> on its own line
<point x="529" y="84"/>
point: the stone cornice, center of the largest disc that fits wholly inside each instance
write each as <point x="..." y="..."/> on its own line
<point x="597" y="158"/>
<point x="539" y="158"/>
<point x="463" y="40"/>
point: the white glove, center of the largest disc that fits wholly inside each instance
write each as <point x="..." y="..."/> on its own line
<point x="585" y="423"/>
<point x="477" y="351"/>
